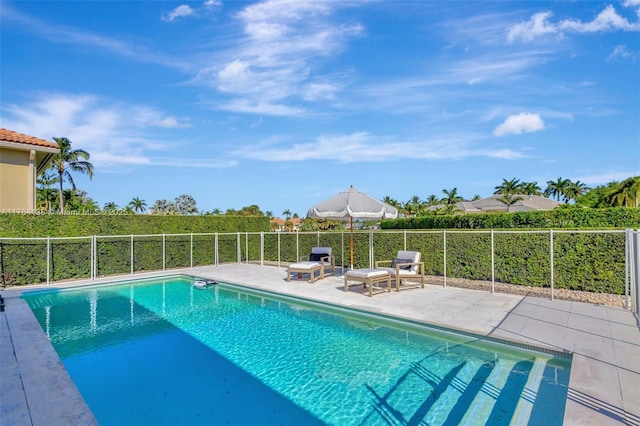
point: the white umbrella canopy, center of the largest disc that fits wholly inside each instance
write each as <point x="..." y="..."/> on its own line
<point x="351" y="204"/>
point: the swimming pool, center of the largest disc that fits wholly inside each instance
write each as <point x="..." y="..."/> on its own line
<point x="162" y="352"/>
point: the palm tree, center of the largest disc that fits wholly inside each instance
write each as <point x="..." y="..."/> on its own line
<point x="476" y="197"/>
<point x="432" y="200"/>
<point x="574" y="190"/>
<point x="138" y="205"/>
<point x="287" y="214"/>
<point x="508" y="186"/>
<point x="557" y="189"/>
<point x="509" y="200"/>
<point x="269" y="214"/>
<point x="451" y="196"/>
<point x="68" y="159"/>
<point x="110" y="206"/>
<point x="530" y="188"/>
<point x="626" y="193"/>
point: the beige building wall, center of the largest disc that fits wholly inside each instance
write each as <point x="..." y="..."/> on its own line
<point x="17" y="180"/>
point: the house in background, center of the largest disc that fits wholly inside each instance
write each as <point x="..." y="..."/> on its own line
<point x="493" y="204"/>
<point x="278" y="225"/>
<point x="22" y="157"/>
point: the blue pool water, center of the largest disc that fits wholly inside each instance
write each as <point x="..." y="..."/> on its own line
<point x="162" y="352"/>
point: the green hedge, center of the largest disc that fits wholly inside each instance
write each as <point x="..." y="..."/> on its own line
<point x="560" y="218"/>
<point x="25" y="261"/>
<point x="38" y="226"/>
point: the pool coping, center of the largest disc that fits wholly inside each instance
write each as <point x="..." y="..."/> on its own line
<point x="604" y="386"/>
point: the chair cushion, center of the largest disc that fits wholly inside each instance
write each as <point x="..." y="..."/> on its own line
<point x="398" y="260"/>
<point x="317" y="257"/>
<point x="366" y="273"/>
<point x="324" y="250"/>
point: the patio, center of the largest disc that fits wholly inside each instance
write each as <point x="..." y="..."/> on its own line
<point x="605" y="378"/>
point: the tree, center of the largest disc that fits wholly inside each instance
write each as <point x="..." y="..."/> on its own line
<point x="556" y="189"/>
<point x="476" y="197"/>
<point x="530" y="188"/>
<point x="111" y="206"/>
<point x="66" y="160"/>
<point x="269" y="214"/>
<point x="574" y="190"/>
<point x="508" y="186"/>
<point x="138" y="205"/>
<point x="287" y="214"/>
<point x="626" y="193"/>
<point x="252" y="210"/>
<point x="432" y="200"/>
<point x="46" y="194"/>
<point x="451" y="196"/>
<point x="186" y="204"/>
<point x="164" y="207"/>
<point x="509" y="200"/>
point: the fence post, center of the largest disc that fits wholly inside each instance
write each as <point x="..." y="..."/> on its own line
<point x="132" y="254"/>
<point x="215" y="249"/>
<point x="493" y="266"/>
<point x="371" y="256"/>
<point x="627" y="265"/>
<point x="342" y="251"/>
<point x="49" y="258"/>
<point x="444" y="246"/>
<point x="262" y="248"/>
<point x="239" y="249"/>
<point x="191" y="248"/>
<point x="551" y="260"/>
<point x="278" y="249"/>
<point x="164" y="265"/>
<point x="246" y="247"/>
<point x="94" y="258"/>
<point x="297" y="246"/>
<point x="404" y="239"/>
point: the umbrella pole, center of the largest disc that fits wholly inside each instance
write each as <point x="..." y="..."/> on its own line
<point x="351" y="217"/>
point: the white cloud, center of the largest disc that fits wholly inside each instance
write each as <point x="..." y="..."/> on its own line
<point x="621" y="51"/>
<point x="113" y="133"/>
<point x="364" y="147"/>
<point x="520" y="123"/>
<point x="605" y="178"/>
<point x="261" y="108"/>
<point x="179" y="12"/>
<point x="274" y="62"/>
<point x="212" y="4"/>
<point x="539" y="24"/>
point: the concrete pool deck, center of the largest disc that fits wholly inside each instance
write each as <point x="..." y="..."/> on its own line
<point x="604" y="387"/>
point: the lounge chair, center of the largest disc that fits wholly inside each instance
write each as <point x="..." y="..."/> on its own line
<point x="406" y="269"/>
<point x="320" y="261"/>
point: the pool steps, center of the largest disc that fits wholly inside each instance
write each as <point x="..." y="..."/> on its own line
<point x="528" y="396"/>
<point x="476" y="388"/>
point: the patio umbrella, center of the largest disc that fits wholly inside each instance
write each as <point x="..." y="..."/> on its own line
<point x="351" y="204"/>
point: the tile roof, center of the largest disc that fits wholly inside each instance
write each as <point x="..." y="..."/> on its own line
<point x="11" y="136"/>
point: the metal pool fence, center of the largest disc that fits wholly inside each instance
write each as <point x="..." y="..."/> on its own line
<point x="605" y="261"/>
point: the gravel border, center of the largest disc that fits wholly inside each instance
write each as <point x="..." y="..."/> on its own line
<point x="605" y="299"/>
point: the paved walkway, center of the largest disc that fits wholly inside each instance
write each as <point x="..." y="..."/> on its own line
<point x="604" y="387"/>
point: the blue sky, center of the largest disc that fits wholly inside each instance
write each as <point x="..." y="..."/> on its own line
<point x="285" y="103"/>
